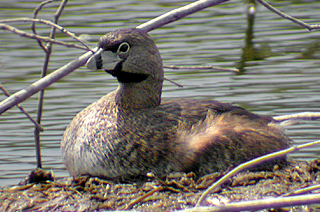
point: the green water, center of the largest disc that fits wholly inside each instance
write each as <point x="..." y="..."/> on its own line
<point x="282" y="76"/>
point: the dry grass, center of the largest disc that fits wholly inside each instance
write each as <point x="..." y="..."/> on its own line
<point x="175" y="192"/>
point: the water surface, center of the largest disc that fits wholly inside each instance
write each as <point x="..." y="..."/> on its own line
<point x="283" y="77"/>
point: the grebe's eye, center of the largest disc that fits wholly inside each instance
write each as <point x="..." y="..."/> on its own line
<point x="123" y="48"/>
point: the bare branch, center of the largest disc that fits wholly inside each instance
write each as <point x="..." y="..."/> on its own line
<point x="204" y="67"/>
<point x="140" y="199"/>
<point x="178" y="14"/>
<point x="33" y="26"/>
<point x="48" y="51"/>
<point x="40" y="128"/>
<point x="42" y="4"/>
<point x="173" y="82"/>
<point x="38" y="37"/>
<point x="62" y="29"/>
<point x="303" y="190"/>
<point x="260" y="204"/>
<point x="297" y="21"/>
<point x="251" y="164"/>
<point x="298" y="116"/>
<point x="63" y="71"/>
<point x="42" y="83"/>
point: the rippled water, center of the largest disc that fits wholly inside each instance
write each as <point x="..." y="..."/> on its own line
<point x="283" y="79"/>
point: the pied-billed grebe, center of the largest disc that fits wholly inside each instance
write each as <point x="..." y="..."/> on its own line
<point x="131" y="131"/>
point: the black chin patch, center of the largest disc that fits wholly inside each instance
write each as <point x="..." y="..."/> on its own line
<point x="126" y="77"/>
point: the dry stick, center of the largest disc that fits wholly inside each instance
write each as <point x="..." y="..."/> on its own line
<point x="173" y="82"/>
<point x="197" y="68"/>
<point x="38" y="37"/>
<point x="302" y="191"/>
<point x="260" y="204"/>
<point x="297" y="21"/>
<point x="35" y="20"/>
<point x="42" y="83"/>
<point x="48" y="51"/>
<point x="42" y="4"/>
<point x="204" y="67"/>
<point x="63" y="71"/>
<point x="23" y="110"/>
<point x="253" y="163"/>
<point x="139" y="199"/>
<point x="299" y="116"/>
<point x="35" y="14"/>
<point x="178" y="14"/>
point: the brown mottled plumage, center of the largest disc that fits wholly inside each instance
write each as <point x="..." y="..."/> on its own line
<point x="130" y="131"/>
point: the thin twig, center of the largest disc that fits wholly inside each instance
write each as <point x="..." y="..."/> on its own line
<point x="297" y="21"/>
<point x="62" y="29"/>
<point x="303" y="190"/>
<point x="38" y="126"/>
<point x="179" y="13"/>
<point x="42" y="4"/>
<point x="299" y="116"/>
<point x="139" y="199"/>
<point x="204" y="67"/>
<point x="253" y="163"/>
<point x="42" y="83"/>
<point x="173" y="82"/>
<point x="38" y="37"/>
<point x="48" y="51"/>
<point x="255" y="205"/>
<point x="35" y="14"/>
<point x="22" y="95"/>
